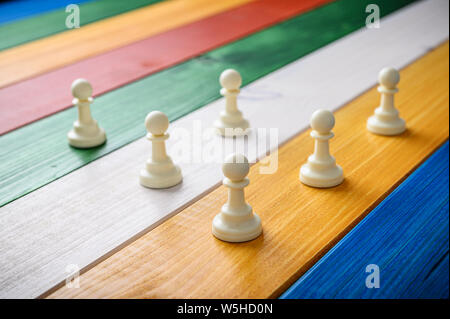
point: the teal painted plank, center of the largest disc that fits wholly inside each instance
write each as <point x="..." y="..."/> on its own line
<point x="406" y="236"/>
<point x="43" y="25"/>
<point x="37" y="154"/>
<point x="20" y="9"/>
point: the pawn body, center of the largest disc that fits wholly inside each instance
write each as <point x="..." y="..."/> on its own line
<point x="86" y="132"/>
<point x="386" y="120"/>
<point x="231" y="121"/>
<point x="321" y="169"/>
<point x="236" y="221"/>
<point x="159" y="171"/>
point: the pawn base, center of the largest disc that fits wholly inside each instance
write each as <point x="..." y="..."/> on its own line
<point x="323" y="178"/>
<point x="236" y="233"/>
<point x="81" y="141"/>
<point x="390" y="128"/>
<point x="237" y="129"/>
<point x="165" y="180"/>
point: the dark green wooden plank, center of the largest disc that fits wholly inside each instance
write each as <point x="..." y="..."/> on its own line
<point x="43" y="25"/>
<point x="37" y="154"/>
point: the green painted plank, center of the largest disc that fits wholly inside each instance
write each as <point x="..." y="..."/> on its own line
<point x="43" y="25"/>
<point x="37" y="154"/>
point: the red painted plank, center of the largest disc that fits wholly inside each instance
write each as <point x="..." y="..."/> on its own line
<point x="38" y="97"/>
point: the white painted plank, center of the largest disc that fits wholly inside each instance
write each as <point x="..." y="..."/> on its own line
<point x="80" y="218"/>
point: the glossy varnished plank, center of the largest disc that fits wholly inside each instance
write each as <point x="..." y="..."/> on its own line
<point x="178" y="91"/>
<point x="181" y="258"/>
<point x="46" y="24"/>
<point x="100" y="207"/>
<point x="406" y="237"/>
<point x="127" y="64"/>
<point x="34" y="58"/>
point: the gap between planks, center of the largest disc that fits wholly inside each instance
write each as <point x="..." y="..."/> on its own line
<point x="181" y="259"/>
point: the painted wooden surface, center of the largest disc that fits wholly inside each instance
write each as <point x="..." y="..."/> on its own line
<point x="406" y="236"/>
<point x="34" y="58"/>
<point x="87" y="219"/>
<point x="20" y="9"/>
<point x="34" y="28"/>
<point x="181" y="259"/>
<point x="127" y="64"/>
<point x="122" y="111"/>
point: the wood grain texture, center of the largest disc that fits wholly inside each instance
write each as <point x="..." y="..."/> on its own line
<point x="56" y="51"/>
<point x="406" y="236"/>
<point x="122" y="111"/>
<point x="124" y="65"/>
<point x="181" y="258"/>
<point x="47" y="24"/>
<point x="100" y="207"/>
<point x="20" y="9"/>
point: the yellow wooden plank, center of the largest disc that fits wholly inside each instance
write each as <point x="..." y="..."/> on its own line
<point x="47" y="54"/>
<point x="181" y="259"/>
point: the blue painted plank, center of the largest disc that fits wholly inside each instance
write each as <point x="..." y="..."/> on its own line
<point x="20" y="9"/>
<point x="406" y="236"/>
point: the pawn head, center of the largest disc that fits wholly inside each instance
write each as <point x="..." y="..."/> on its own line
<point x="230" y="79"/>
<point x="322" y="121"/>
<point x="81" y="89"/>
<point x="389" y="78"/>
<point x="235" y="167"/>
<point x="156" y="123"/>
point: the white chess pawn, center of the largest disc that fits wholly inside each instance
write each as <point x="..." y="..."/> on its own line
<point x="321" y="169"/>
<point x="236" y="222"/>
<point x="85" y="132"/>
<point x="231" y="121"/>
<point x="386" y="120"/>
<point x="160" y="171"/>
